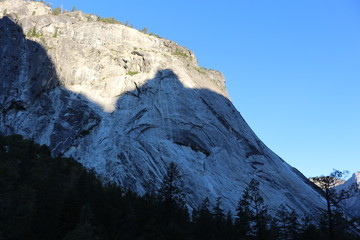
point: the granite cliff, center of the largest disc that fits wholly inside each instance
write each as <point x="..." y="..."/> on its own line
<point x="126" y="104"/>
<point x="352" y="205"/>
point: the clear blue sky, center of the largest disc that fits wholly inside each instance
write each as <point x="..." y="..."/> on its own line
<point x="292" y="67"/>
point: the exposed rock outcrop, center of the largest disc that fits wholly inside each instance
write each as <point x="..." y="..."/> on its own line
<point x="126" y="104"/>
<point x="352" y="205"/>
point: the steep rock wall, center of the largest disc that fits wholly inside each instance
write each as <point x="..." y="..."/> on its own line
<point x="126" y="104"/>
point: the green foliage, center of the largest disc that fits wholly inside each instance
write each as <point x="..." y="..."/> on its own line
<point x="132" y="73"/>
<point x="5" y="12"/>
<point x="154" y="34"/>
<point x="56" y="32"/>
<point x="200" y="69"/>
<point x="203" y="70"/>
<point x="33" y="32"/>
<point x="46" y="3"/>
<point x="144" y="30"/>
<point x="110" y="20"/>
<point x="56" y="11"/>
<point x="43" y="40"/>
<point x="180" y="53"/>
<point x="73" y="9"/>
<point x="128" y="24"/>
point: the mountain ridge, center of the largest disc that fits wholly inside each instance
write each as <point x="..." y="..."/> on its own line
<point x="126" y="104"/>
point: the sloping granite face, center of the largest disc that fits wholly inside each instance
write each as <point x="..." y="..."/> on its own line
<point x="352" y="205"/>
<point x="127" y="104"/>
<point x="32" y="102"/>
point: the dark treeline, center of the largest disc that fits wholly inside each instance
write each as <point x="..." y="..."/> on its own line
<point x="56" y="198"/>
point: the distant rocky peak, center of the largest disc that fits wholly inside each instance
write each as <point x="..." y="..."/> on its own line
<point x="352" y="205"/>
<point x="355" y="178"/>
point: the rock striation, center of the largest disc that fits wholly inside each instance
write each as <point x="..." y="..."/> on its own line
<point x="126" y="104"/>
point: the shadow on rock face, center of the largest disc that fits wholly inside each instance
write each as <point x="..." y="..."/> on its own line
<point x="26" y="70"/>
<point x="32" y="102"/>
<point x="153" y="124"/>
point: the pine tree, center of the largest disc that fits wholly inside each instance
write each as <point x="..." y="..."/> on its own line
<point x="203" y="221"/>
<point x="332" y="196"/>
<point x="294" y="228"/>
<point x="203" y="212"/>
<point x="219" y="215"/>
<point x="252" y="216"/>
<point x="282" y="223"/>
<point x="173" y="212"/>
<point x="244" y="215"/>
<point x="172" y="187"/>
<point x="287" y="224"/>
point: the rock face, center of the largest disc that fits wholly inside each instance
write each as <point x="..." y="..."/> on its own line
<point x="127" y="103"/>
<point x="352" y="205"/>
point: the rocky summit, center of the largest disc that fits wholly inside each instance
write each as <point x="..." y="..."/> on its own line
<point x="352" y="205"/>
<point x="127" y="103"/>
